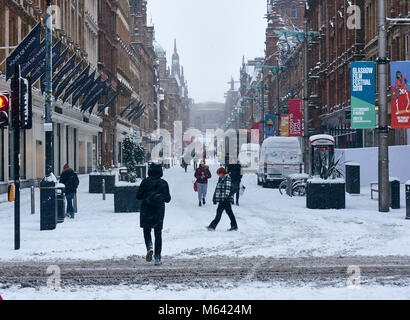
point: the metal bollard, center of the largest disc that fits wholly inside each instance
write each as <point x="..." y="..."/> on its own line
<point x="408" y="200"/>
<point x="103" y="189"/>
<point x="33" y="200"/>
<point x="75" y="205"/>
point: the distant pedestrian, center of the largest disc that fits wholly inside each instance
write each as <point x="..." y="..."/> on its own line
<point x="184" y="164"/>
<point x="154" y="193"/>
<point x="234" y="170"/>
<point x="202" y="174"/>
<point x="70" y="179"/>
<point x="223" y="197"/>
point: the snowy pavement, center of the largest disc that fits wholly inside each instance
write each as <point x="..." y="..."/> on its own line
<point x="214" y="265"/>
<point x="270" y="225"/>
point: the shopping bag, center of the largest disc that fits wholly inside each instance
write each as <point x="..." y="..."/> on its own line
<point x="241" y="189"/>
<point x="195" y="187"/>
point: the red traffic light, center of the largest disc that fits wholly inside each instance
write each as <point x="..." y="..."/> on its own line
<point x="4" y="109"/>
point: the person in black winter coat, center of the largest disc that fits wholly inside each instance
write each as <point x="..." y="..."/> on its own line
<point x="234" y="171"/>
<point x="70" y="179"/>
<point x="154" y="193"/>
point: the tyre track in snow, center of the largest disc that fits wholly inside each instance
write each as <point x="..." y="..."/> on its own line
<point x="211" y="271"/>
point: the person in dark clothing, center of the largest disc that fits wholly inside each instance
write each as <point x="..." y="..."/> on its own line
<point x="70" y="179"/>
<point x="202" y="174"/>
<point x="184" y="164"/>
<point x="223" y="197"/>
<point x="234" y="171"/>
<point x="154" y="193"/>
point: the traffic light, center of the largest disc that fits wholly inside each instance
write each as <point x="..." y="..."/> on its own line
<point x="4" y="109"/>
<point x="26" y="110"/>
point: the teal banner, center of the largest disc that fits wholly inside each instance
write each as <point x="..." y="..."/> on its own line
<point x="363" y="95"/>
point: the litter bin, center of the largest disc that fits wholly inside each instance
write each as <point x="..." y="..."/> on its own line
<point x="395" y="193"/>
<point x="353" y="178"/>
<point x="60" y="193"/>
<point x="408" y="199"/>
<point x="48" y="205"/>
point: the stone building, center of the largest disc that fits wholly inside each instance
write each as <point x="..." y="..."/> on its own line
<point x="174" y="100"/>
<point x="207" y="115"/>
<point x="398" y="44"/>
<point x="76" y="135"/>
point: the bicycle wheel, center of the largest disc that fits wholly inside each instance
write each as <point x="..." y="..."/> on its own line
<point x="282" y="187"/>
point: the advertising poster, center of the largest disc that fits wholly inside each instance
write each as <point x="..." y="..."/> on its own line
<point x="363" y="95"/>
<point x="284" y="125"/>
<point x="295" y="118"/>
<point x="269" y="125"/>
<point x="400" y="96"/>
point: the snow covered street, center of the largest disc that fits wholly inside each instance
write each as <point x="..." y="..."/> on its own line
<point x="271" y="226"/>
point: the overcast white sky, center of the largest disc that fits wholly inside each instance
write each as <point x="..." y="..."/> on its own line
<point x="212" y="36"/>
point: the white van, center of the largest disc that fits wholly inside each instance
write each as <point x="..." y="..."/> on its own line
<point x="249" y="157"/>
<point x="279" y="157"/>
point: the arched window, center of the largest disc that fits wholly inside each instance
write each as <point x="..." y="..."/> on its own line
<point x="294" y="11"/>
<point x="282" y="10"/>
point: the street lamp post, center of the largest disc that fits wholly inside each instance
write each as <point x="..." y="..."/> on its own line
<point x="306" y="105"/>
<point x="384" y="187"/>
<point x="48" y="92"/>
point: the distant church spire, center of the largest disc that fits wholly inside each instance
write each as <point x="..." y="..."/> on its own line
<point x="175" y="68"/>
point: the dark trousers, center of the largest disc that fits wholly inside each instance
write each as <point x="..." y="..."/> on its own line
<point x="185" y="167"/>
<point x="236" y="185"/>
<point x="224" y="206"/>
<point x="158" y="240"/>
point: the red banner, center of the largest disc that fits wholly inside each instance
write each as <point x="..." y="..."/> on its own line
<point x="400" y="94"/>
<point x="295" y="118"/>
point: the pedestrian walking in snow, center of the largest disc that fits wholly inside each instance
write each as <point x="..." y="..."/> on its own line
<point x="184" y="164"/>
<point x="223" y="197"/>
<point x="202" y="174"/>
<point x="70" y="179"/>
<point x="154" y="193"/>
<point x="234" y="171"/>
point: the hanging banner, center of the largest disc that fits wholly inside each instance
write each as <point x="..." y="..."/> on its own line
<point x="295" y="118"/>
<point x="400" y="95"/>
<point x="79" y="81"/>
<point x="22" y="52"/>
<point x="284" y="125"/>
<point x="363" y="88"/>
<point x="269" y="125"/>
<point x="83" y="89"/>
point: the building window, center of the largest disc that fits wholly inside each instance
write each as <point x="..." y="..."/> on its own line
<point x="282" y="10"/>
<point x="294" y="12"/>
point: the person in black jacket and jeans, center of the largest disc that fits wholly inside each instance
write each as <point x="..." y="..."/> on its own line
<point x="154" y="193"/>
<point x="234" y="171"/>
<point x="70" y="179"/>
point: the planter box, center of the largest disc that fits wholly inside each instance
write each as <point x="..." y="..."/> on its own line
<point x="95" y="183"/>
<point x="125" y="198"/>
<point x="323" y="194"/>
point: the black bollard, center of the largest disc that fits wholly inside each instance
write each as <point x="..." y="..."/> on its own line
<point x="48" y="205"/>
<point x="395" y="194"/>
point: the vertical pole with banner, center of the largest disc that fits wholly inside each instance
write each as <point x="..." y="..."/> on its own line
<point x="382" y="61"/>
<point x="306" y="147"/>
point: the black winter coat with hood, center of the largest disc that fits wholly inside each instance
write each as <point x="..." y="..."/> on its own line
<point x="154" y="193"/>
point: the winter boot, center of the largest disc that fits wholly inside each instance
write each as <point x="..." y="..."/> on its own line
<point x="209" y="228"/>
<point x="200" y="203"/>
<point x="203" y="201"/>
<point x="233" y="229"/>
<point x="150" y="252"/>
<point x="158" y="261"/>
